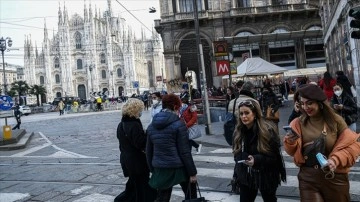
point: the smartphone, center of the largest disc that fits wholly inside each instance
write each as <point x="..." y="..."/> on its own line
<point x="287" y="128"/>
<point x="290" y="131"/>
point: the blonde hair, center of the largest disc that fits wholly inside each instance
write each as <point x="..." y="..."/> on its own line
<point x="133" y="107"/>
<point x="261" y="128"/>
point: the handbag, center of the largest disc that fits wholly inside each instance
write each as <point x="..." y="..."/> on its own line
<point x="271" y="115"/>
<point x="312" y="148"/>
<point x="198" y="199"/>
<point x="194" y="132"/>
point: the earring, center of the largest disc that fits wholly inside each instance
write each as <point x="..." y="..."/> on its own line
<point x="321" y="106"/>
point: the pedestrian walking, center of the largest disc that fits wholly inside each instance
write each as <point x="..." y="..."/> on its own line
<point x="168" y="154"/>
<point x="270" y="105"/>
<point x="157" y="103"/>
<point x="229" y="95"/>
<point x="345" y="106"/>
<point x="327" y="83"/>
<point x="323" y="147"/>
<point x="17" y="115"/>
<point x="345" y="82"/>
<point x="259" y="163"/>
<point x="188" y="114"/>
<point x="61" y="106"/>
<point x="132" y="143"/>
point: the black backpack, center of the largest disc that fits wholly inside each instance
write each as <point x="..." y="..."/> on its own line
<point x="229" y="125"/>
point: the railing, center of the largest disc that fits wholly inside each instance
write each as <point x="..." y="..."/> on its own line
<point x="233" y="12"/>
<point x="216" y="101"/>
<point x="268" y="9"/>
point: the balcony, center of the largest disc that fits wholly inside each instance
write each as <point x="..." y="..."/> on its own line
<point x="235" y="12"/>
<point x="270" y="9"/>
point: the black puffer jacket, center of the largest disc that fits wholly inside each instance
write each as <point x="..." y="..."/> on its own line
<point x="132" y="142"/>
<point x="168" y="143"/>
<point x="349" y="112"/>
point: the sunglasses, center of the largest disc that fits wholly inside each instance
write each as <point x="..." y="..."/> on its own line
<point x="247" y="104"/>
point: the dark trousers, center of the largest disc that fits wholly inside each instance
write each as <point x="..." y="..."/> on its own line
<point x="137" y="189"/>
<point x="314" y="187"/>
<point x="164" y="195"/>
<point x="61" y="111"/>
<point x="249" y="195"/>
<point x="17" y="125"/>
<point x="193" y="144"/>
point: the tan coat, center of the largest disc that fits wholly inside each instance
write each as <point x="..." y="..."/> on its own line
<point x="344" y="153"/>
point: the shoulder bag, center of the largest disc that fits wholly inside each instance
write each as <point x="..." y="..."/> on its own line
<point x="271" y="115"/>
<point x="314" y="147"/>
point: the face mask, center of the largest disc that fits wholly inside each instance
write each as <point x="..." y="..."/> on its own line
<point x="155" y="102"/>
<point x="338" y="92"/>
<point x="140" y="114"/>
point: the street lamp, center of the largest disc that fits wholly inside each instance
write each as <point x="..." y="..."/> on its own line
<point x="3" y="49"/>
<point x="90" y="69"/>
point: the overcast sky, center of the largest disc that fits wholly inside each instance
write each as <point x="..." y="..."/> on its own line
<point x="24" y="17"/>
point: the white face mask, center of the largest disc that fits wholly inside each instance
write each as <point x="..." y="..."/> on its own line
<point x="155" y="102"/>
<point x="338" y="92"/>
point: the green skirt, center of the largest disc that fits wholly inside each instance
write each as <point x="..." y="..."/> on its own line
<point x="164" y="178"/>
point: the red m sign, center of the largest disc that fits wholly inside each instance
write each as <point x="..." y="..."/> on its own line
<point x="222" y="67"/>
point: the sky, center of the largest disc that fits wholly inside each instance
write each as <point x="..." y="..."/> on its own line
<point x="26" y="17"/>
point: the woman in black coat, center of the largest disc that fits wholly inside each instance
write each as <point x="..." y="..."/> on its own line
<point x="132" y="143"/>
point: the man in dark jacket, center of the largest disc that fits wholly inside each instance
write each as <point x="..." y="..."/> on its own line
<point x="17" y="115"/>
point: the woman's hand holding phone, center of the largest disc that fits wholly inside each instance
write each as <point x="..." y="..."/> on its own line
<point x="291" y="135"/>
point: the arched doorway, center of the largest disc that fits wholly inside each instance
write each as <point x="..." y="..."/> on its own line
<point x="58" y="94"/>
<point x="121" y="90"/>
<point x="189" y="58"/>
<point x="82" y="92"/>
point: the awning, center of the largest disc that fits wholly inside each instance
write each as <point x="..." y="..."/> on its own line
<point x="264" y="38"/>
<point x="306" y="71"/>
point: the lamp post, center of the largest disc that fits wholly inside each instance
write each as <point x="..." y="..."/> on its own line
<point x="3" y="49"/>
<point x="205" y="97"/>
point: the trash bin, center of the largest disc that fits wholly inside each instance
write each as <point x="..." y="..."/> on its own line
<point x="7" y="132"/>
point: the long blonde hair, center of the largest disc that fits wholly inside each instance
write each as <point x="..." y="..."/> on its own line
<point x="261" y="127"/>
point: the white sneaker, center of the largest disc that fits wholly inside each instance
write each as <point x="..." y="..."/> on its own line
<point x="198" y="150"/>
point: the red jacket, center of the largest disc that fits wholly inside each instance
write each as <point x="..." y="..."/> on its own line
<point x="328" y="89"/>
<point x="190" y="117"/>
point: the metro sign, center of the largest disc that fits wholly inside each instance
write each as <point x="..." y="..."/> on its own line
<point x="222" y="67"/>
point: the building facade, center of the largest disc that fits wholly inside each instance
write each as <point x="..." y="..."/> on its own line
<point x="96" y="52"/>
<point x="12" y="74"/>
<point x="287" y="33"/>
<point x="342" y="52"/>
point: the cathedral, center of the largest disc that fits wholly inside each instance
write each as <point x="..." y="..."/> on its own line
<point x="94" y="53"/>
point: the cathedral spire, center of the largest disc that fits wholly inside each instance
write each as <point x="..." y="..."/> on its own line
<point x="109" y="8"/>
<point x="45" y="31"/>
<point x="36" y="50"/>
<point x="90" y="12"/>
<point x="86" y="16"/>
<point x="60" y="15"/>
<point x="66" y="18"/>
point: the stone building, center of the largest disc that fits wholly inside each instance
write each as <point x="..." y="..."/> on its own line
<point x="287" y="33"/>
<point x="96" y="52"/>
<point x="342" y="52"/>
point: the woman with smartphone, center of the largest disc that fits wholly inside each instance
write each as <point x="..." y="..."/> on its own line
<point x="319" y="132"/>
<point x="256" y="148"/>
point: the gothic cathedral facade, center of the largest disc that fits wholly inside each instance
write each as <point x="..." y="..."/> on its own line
<point x="94" y="53"/>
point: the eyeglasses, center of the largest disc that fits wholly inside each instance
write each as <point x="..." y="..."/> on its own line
<point x="246" y="103"/>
